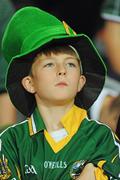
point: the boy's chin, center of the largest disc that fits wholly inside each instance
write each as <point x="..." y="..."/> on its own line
<point x="61" y="101"/>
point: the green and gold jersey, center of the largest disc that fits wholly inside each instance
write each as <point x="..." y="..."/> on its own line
<point x="27" y="151"/>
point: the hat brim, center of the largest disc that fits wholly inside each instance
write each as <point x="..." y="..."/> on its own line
<point x="93" y="68"/>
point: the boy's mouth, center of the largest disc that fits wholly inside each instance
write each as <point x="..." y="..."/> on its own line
<point x="61" y="84"/>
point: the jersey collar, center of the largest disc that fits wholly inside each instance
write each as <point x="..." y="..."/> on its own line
<point x="76" y="114"/>
<point x="35" y="123"/>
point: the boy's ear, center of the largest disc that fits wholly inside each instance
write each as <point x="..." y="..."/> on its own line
<point x="27" y="83"/>
<point x="82" y="82"/>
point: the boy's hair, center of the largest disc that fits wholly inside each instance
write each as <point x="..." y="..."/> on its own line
<point x="67" y="49"/>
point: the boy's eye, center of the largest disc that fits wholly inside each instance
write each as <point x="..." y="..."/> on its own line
<point x="49" y="65"/>
<point x="71" y="64"/>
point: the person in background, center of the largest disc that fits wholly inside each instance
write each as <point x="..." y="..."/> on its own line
<point x="108" y="36"/>
<point x="8" y="113"/>
<point x="106" y="109"/>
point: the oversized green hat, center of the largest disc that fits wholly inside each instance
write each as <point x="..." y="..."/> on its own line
<point x="28" y="32"/>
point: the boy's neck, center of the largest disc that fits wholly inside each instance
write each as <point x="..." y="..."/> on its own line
<point x="52" y="115"/>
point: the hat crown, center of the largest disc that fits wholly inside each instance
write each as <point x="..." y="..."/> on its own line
<point x="24" y="23"/>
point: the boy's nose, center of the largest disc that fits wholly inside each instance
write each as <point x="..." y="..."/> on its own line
<point x="61" y="71"/>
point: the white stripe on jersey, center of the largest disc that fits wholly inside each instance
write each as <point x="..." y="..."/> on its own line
<point x="33" y="124"/>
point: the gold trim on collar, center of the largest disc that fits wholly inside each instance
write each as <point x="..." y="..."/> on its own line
<point x="75" y="115"/>
<point x="30" y="126"/>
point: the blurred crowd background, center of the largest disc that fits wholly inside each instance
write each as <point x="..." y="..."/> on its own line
<point x="100" y="20"/>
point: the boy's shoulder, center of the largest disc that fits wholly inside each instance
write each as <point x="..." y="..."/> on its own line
<point x="94" y="128"/>
<point x="94" y="123"/>
<point x="16" y="131"/>
<point x="99" y="133"/>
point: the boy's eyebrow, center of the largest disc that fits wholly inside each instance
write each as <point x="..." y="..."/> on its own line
<point x="66" y="59"/>
<point x="51" y="58"/>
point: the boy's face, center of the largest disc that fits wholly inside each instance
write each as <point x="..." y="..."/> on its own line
<point x="55" y="78"/>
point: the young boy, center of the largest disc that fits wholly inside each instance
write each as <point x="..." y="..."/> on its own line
<point x="54" y="76"/>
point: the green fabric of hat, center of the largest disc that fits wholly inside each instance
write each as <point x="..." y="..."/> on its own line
<point x="28" y="32"/>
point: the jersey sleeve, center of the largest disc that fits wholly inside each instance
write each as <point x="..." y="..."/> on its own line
<point x="107" y="155"/>
<point x="9" y="165"/>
